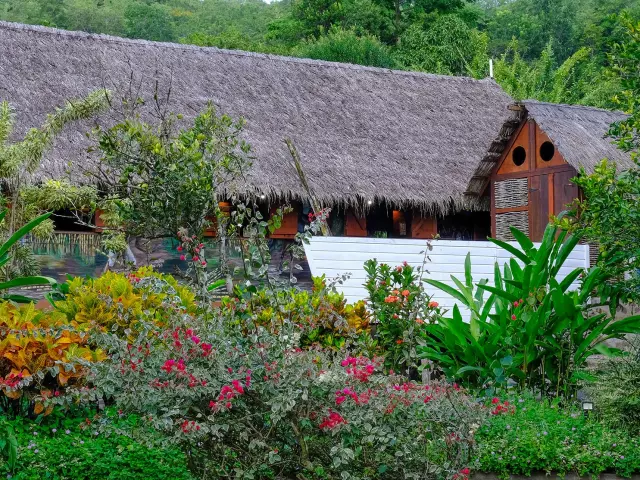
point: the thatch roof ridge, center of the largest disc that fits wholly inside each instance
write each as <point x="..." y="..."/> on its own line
<point x="579" y="132"/>
<point x="363" y="133"/>
<point x="242" y="53"/>
<point x="585" y="108"/>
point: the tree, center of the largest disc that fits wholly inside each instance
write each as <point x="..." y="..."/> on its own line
<point x="164" y="182"/>
<point x="447" y="47"/>
<point x="571" y="82"/>
<point x="149" y="22"/>
<point x="610" y="212"/>
<point x="18" y="160"/>
<point x="346" y="46"/>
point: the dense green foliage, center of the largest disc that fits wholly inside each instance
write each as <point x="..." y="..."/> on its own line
<point x="540" y="436"/>
<point x="556" y="50"/>
<point x="615" y="389"/>
<point x="533" y="331"/>
<point x="70" y="447"/>
<point x="609" y="215"/>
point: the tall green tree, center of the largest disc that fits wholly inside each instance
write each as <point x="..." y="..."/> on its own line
<point x="610" y="211"/>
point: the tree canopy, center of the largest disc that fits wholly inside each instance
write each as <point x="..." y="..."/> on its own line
<point x="554" y="50"/>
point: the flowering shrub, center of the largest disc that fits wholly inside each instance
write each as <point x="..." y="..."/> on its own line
<point x="41" y="354"/>
<point x="322" y="316"/>
<point x="119" y="302"/>
<point x="249" y="403"/>
<point x="401" y="309"/>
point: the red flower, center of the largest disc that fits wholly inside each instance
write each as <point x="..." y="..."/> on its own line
<point x="495" y="400"/>
<point x="513" y="317"/>
<point x="180" y="248"/>
<point x="195" y="258"/>
<point x="332" y="421"/>
<point x="237" y="386"/>
<point x="168" y="365"/>
<point x="465" y="471"/>
<point x="183" y="258"/>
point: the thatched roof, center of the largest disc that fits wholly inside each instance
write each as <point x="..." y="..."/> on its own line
<point x="579" y="133"/>
<point x="410" y="139"/>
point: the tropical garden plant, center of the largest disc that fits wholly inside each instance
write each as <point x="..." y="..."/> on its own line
<point x="244" y="402"/>
<point x="401" y="309"/>
<point x="533" y="330"/>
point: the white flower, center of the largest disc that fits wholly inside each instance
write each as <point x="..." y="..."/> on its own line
<point x="54" y="430"/>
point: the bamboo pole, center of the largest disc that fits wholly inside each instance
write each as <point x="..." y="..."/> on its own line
<point x="315" y="204"/>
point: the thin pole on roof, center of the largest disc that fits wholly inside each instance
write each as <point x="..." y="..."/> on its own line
<point x="315" y="205"/>
<point x="491" y="68"/>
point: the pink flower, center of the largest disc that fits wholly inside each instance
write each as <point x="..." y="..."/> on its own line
<point x="180" y="248"/>
<point x="237" y="386"/>
<point x="195" y="258"/>
<point x="195" y="339"/>
<point x="332" y="421"/>
<point x="168" y="365"/>
<point x="206" y="348"/>
<point x="183" y="258"/>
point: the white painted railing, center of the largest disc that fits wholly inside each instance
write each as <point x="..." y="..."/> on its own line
<point x="336" y="256"/>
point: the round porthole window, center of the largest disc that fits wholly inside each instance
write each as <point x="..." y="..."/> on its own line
<point x="519" y="155"/>
<point x="547" y="151"/>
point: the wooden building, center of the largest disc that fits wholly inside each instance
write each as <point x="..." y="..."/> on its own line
<point x="392" y="153"/>
<point x="529" y="169"/>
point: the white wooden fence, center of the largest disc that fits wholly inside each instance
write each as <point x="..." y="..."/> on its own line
<point x="336" y="256"/>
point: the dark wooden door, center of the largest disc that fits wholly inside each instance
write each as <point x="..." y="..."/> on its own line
<point x="565" y="191"/>
<point x="538" y="206"/>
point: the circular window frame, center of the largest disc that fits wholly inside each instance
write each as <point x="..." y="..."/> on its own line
<point x="519" y="156"/>
<point x="547" y="151"/>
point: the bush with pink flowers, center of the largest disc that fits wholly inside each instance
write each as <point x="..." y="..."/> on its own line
<point x="256" y="405"/>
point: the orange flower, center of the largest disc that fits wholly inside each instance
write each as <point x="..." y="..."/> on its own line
<point x="405" y="293"/>
<point x="390" y="299"/>
<point x="419" y="321"/>
<point x="400" y="341"/>
<point x="433" y="304"/>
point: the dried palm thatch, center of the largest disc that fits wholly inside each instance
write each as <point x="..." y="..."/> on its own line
<point x="409" y="139"/>
<point x="579" y="133"/>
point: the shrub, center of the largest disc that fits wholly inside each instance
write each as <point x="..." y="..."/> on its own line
<point x="324" y="316"/>
<point x="253" y="404"/>
<point x="60" y="449"/>
<point x="41" y="353"/>
<point x="615" y="389"/>
<point x="118" y="302"/>
<point x="401" y="310"/>
<point x="543" y="436"/>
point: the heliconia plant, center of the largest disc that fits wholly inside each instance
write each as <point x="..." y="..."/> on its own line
<point x="533" y="330"/>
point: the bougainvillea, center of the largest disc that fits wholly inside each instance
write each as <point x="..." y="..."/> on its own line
<point x="248" y="402"/>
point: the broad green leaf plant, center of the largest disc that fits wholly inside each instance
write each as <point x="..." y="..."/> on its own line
<point x="5" y="257"/>
<point x="532" y="331"/>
